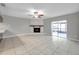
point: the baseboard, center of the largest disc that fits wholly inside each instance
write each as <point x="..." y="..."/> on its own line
<point x="73" y="39"/>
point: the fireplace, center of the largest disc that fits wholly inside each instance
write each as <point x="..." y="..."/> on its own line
<point x="36" y="30"/>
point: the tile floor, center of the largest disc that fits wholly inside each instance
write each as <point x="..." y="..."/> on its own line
<point x="38" y="45"/>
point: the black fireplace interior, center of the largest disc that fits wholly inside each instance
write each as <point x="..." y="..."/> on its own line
<point x="36" y="30"/>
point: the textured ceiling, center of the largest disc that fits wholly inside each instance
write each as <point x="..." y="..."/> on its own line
<point x="50" y="9"/>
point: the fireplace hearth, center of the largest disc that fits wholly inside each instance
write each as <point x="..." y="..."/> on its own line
<point x="36" y="30"/>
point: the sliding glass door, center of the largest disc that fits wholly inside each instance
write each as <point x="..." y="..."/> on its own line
<point x="59" y="28"/>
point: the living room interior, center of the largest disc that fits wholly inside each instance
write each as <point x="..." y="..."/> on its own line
<point x="39" y="29"/>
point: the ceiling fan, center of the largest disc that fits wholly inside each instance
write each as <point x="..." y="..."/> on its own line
<point x="36" y="14"/>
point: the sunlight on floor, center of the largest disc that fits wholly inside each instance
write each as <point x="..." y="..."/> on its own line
<point x="38" y="45"/>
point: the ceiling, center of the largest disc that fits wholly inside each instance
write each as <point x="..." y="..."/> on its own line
<point x="21" y="10"/>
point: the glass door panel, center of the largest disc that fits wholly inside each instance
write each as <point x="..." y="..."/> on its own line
<point x="59" y="29"/>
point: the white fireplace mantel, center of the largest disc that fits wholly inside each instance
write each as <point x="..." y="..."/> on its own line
<point x="36" y="23"/>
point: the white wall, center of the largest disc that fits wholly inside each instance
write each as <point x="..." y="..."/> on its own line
<point x="36" y="22"/>
<point x="72" y="24"/>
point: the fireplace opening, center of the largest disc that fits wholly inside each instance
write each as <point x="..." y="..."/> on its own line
<point x="36" y="30"/>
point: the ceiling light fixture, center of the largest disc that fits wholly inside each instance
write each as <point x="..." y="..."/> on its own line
<point x="38" y="14"/>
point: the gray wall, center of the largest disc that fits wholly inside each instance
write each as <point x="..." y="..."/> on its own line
<point x="72" y="24"/>
<point x="78" y="26"/>
<point x="21" y="26"/>
<point x="17" y="25"/>
<point x="1" y="19"/>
